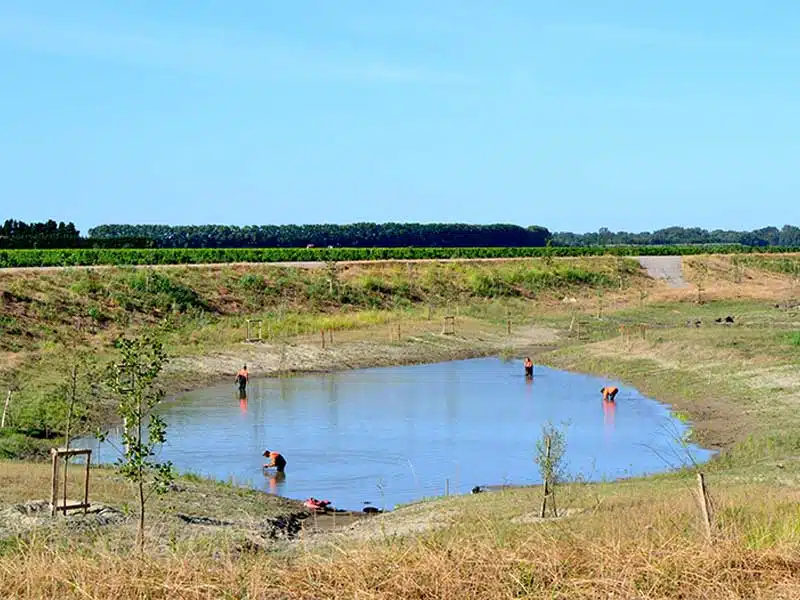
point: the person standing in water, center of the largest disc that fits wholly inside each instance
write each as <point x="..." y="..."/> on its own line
<point x="276" y="460"/>
<point x="609" y="393"/>
<point x="528" y="367"/>
<point x="241" y="379"/>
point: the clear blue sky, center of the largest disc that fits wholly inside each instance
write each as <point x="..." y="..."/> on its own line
<point x="574" y="115"/>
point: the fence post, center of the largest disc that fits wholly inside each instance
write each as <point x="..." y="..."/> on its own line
<point x="322" y="334"/>
<point x="546" y="476"/>
<point x="508" y="327"/>
<point x="5" y="410"/>
<point x="54" y="484"/>
<point x="705" y="505"/>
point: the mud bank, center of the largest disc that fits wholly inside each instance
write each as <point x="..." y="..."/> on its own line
<point x="350" y="350"/>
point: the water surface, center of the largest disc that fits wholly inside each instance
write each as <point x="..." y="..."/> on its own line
<point x="393" y="435"/>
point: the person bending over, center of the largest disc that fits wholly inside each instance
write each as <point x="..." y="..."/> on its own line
<point x="609" y="393"/>
<point x="276" y="460"/>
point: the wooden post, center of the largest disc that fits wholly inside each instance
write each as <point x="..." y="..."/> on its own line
<point x="546" y="476"/>
<point x="5" y="410"/>
<point x="86" y="484"/>
<point x="508" y="327"/>
<point x="430" y="312"/>
<point x="54" y="484"/>
<point x="322" y="334"/>
<point x="705" y="505"/>
<point x="330" y="335"/>
<point x="446" y="487"/>
<point x="398" y="332"/>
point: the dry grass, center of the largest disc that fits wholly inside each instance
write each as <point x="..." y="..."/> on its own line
<point x="633" y="544"/>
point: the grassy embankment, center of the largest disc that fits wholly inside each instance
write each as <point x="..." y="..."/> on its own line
<point x="738" y="383"/>
<point x="46" y="318"/>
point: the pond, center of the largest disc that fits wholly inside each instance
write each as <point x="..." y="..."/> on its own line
<point x="387" y="436"/>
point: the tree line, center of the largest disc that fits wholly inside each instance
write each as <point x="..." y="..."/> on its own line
<point x="355" y="235"/>
<point x="18" y="234"/>
<point x="787" y="236"/>
<point x="51" y="235"/>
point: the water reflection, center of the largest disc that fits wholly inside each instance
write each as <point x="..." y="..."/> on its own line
<point x="275" y="480"/>
<point x="394" y="435"/>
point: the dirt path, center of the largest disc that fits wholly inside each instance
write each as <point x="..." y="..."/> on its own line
<point x="667" y="268"/>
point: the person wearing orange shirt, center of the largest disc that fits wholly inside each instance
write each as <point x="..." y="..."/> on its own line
<point x="276" y="460"/>
<point x="528" y="364"/>
<point x="242" y="378"/>
<point x="609" y="393"/>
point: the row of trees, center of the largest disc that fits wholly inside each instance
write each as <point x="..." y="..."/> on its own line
<point x="49" y="234"/>
<point x="18" y="234"/>
<point x="788" y="236"/>
<point x="355" y="235"/>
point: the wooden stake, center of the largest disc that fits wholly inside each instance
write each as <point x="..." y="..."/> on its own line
<point x="54" y="484"/>
<point x="705" y="505"/>
<point x="5" y="410"/>
<point x="330" y="335"/>
<point x="546" y="477"/>
<point x="398" y="332"/>
<point x="322" y="334"/>
<point x="86" y="483"/>
<point x="446" y="487"/>
<point x="508" y="327"/>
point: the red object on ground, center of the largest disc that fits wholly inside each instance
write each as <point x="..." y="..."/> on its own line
<point x="315" y="504"/>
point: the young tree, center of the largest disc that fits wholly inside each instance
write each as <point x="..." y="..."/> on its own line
<point x="134" y="381"/>
<point x="550" y="449"/>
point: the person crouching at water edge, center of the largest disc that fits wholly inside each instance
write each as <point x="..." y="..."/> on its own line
<point x="276" y="460"/>
<point x="609" y="393"/>
<point x="528" y="364"/>
<point x="241" y="378"/>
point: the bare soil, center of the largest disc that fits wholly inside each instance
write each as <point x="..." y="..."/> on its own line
<point x="420" y="342"/>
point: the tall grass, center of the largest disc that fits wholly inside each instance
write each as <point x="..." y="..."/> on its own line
<point x="640" y="544"/>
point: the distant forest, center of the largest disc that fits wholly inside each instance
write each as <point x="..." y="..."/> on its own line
<point x="18" y="234"/>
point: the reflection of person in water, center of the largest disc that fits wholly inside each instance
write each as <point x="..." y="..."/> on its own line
<point x="609" y="408"/>
<point x="243" y="401"/>
<point x="528" y="364"/>
<point x="275" y="479"/>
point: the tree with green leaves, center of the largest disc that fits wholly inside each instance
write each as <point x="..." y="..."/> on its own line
<point x="133" y="380"/>
<point x="550" y="450"/>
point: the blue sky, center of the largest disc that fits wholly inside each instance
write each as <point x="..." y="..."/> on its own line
<point x="574" y="115"/>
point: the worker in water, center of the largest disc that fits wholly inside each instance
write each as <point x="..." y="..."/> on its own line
<point x="276" y="460"/>
<point x="528" y="367"/>
<point x="609" y="393"/>
<point x="242" y="377"/>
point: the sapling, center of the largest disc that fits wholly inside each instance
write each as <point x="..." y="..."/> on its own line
<point x="134" y="381"/>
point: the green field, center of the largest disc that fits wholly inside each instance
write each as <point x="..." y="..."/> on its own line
<point x="174" y="256"/>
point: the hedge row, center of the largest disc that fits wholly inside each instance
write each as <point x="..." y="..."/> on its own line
<point x="171" y="256"/>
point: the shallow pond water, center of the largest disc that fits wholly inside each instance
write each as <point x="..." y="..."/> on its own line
<point x="386" y="436"/>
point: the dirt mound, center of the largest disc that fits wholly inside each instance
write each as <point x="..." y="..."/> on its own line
<point x="36" y="513"/>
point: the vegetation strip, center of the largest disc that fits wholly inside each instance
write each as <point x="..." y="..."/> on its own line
<point x="171" y="256"/>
